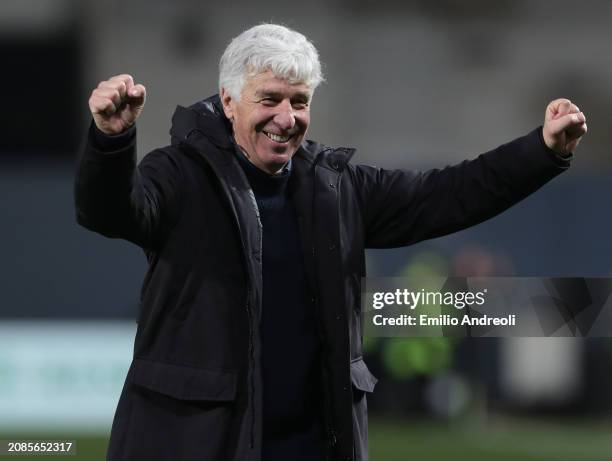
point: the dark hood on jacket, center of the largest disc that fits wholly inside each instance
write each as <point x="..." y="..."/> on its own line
<point x="207" y="118"/>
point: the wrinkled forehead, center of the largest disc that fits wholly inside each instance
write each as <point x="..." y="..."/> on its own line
<point x="267" y="84"/>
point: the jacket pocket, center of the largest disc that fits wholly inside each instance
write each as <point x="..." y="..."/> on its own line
<point x="361" y="378"/>
<point x="183" y="382"/>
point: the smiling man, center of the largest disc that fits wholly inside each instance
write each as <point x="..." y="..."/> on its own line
<point x="249" y="340"/>
<point x="269" y="119"/>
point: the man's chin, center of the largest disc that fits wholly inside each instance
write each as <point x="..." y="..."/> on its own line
<point x="281" y="154"/>
<point x="282" y="150"/>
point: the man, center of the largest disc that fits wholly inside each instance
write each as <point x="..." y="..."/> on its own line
<point x="249" y="332"/>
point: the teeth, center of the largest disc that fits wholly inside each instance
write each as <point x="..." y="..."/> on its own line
<point x="276" y="137"/>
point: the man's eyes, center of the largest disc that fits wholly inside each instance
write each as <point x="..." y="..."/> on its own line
<point x="271" y="102"/>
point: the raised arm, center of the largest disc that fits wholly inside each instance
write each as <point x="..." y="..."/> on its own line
<point x="401" y="207"/>
<point x="114" y="196"/>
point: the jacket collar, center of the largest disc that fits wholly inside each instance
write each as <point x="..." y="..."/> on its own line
<point x="205" y="117"/>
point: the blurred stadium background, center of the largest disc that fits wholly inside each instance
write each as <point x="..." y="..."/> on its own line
<point x="412" y="84"/>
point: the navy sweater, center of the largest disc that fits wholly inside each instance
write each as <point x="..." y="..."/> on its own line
<point x="292" y="397"/>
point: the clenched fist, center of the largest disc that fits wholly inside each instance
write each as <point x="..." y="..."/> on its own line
<point x="116" y="104"/>
<point x="564" y="126"/>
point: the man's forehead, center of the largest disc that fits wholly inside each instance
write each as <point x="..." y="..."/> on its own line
<point x="267" y="83"/>
<point x="284" y="91"/>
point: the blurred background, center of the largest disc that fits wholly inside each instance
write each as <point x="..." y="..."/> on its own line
<point x="412" y="84"/>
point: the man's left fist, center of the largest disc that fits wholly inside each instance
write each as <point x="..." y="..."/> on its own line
<point x="564" y="126"/>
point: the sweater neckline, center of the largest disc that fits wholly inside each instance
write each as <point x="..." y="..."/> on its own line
<point x="261" y="182"/>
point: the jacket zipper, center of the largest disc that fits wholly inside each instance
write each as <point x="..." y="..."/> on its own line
<point x="327" y="410"/>
<point x="249" y="310"/>
<point x="252" y="369"/>
<point x="252" y="323"/>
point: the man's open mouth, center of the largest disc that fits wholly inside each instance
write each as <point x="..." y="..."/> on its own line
<point x="277" y="137"/>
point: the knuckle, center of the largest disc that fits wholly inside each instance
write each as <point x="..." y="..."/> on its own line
<point x="123" y="77"/>
<point x="101" y="92"/>
<point x="122" y="86"/>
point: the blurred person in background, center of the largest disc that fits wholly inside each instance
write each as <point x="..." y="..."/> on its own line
<point x="249" y="339"/>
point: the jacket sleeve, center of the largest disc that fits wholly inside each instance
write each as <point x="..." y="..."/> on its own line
<point x="401" y="207"/>
<point x="118" y="199"/>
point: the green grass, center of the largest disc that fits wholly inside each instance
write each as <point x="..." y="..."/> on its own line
<point x="501" y="441"/>
<point x="508" y="440"/>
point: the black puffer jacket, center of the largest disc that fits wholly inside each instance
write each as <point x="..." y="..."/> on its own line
<point x="194" y="389"/>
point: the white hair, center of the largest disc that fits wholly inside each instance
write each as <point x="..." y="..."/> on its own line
<point x="285" y="52"/>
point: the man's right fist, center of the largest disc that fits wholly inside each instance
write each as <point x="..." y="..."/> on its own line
<point x="117" y="103"/>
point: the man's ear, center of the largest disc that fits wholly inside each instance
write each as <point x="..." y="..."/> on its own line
<point x="226" y="100"/>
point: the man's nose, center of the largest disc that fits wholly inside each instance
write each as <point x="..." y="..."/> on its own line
<point x="285" y="118"/>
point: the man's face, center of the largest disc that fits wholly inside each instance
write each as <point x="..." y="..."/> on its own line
<point x="270" y="120"/>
